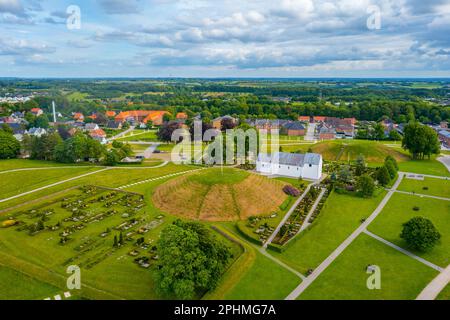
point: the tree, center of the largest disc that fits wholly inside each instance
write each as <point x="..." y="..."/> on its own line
<point x="394" y="135"/>
<point x="420" y="140"/>
<point x="41" y="122"/>
<point x="166" y="130"/>
<point x="9" y="146"/>
<point x="420" y="234"/>
<point x="191" y="260"/>
<point x="7" y="129"/>
<point x="383" y="176"/>
<point x="112" y="158"/>
<point x="345" y="175"/>
<point x="365" y="186"/>
<point x="360" y="165"/>
<point x="392" y="159"/>
<point x="378" y="133"/>
<point x="391" y="169"/>
<point x="43" y="147"/>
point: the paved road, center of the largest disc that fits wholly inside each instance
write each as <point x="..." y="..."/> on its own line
<point x="288" y="214"/>
<point x="117" y="136"/>
<point x="316" y="273"/>
<point x="438" y="284"/>
<point x="410" y="254"/>
<point x="52" y="185"/>
<point x="445" y="160"/>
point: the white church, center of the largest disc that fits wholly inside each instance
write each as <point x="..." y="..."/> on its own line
<point x="295" y="165"/>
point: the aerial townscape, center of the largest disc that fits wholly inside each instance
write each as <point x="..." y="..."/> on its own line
<point x="190" y="151"/>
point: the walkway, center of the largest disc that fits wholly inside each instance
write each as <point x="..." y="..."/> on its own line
<point x="117" y="136"/>
<point x="445" y="160"/>
<point x="410" y="254"/>
<point x="318" y="271"/>
<point x="422" y="195"/>
<point x="438" y="284"/>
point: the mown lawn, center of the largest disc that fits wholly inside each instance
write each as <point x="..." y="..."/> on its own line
<point x="399" y="210"/>
<point x="12" y="164"/>
<point x="429" y="186"/>
<point x="14" y="183"/>
<point x="402" y="278"/>
<point x="340" y="216"/>
<point x="431" y="167"/>
<point x="19" y="286"/>
<point x="445" y="294"/>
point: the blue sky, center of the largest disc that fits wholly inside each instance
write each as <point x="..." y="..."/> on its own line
<point x="230" y="38"/>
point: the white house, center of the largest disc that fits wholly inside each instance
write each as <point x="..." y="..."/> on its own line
<point x="295" y="165"/>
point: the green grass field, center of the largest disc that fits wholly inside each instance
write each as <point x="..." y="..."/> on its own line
<point x="19" y="286"/>
<point x="433" y="187"/>
<point x="340" y="216"/>
<point x="12" y="164"/>
<point x="18" y="182"/>
<point x="399" y="210"/>
<point x="445" y="294"/>
<point x="432" y="167"/>
<point x="402" y="278"/>
<point x="140" y="135"/>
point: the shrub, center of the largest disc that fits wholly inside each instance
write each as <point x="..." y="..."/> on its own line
<point x="291" y="191"/>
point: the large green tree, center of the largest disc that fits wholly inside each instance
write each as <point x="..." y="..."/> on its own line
<point x="365" y="186"/>
<point x="420" y="234"/>
<point x="9" y="146"/>
<point x="420" y="140"/>
<point x="191" y="260"/>
<point x="383" y="176"/>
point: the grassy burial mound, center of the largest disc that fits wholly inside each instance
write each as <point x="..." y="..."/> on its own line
<point x="220" y="195"/>
<point x="350" y="149"/>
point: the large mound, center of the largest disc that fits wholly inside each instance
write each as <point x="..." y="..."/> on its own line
<point x="220" y="195"/>
<point x="350" y="149"/>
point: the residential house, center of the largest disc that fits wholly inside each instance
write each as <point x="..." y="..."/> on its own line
<point x="444" y="137"/>
<point x="295" y="165"/>
<point x="78" y="116"/>
<point x="326" y="132"/>
<point x="37" y="111"/>
<point x="91" y="126"/>
<point x="114" y="125"/>
<point x="217" y="122"/>
<point x="98" y="135"/>
<point x="141" y="116"/>
<point x="295" y="128"/>
<point x="37" y="132"/>
<point x="110" y="114"/>
<point x="182" y="116"/>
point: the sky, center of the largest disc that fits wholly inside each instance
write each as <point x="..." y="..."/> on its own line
<point x="230" y="38"/>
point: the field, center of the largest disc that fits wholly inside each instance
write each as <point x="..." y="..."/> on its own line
<point x="340" y="216"/>
<point x="19" y="286"/>
<point x="432" y="167"/>
<point x="429" y="186"/>
<point x="399" y="210"/>
<point x="140" y="135"/>
<point x="220" y="195"/>
<point x="402" y="278"/>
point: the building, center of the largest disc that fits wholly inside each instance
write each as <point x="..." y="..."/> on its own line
<point x="217" y="122"/>
<point x="91" y="126"/>
<point x="444" y="137"/>
<point x="295" y="165"/>
<point x="78" y="116"/>
<point x="294" y="129"/>
<point x="98" y="135"/>
<point x="37" y="132"/>
<point x="114" y="125"/>
<point x="37" y="111"/>
<point x="110" y="114"/>
<point x="182" y="116"/>
<point x="141" y="116"/>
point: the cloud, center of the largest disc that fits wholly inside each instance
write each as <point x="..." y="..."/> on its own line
<point x="120" y="6"/>
<point x="12" y="6"/>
